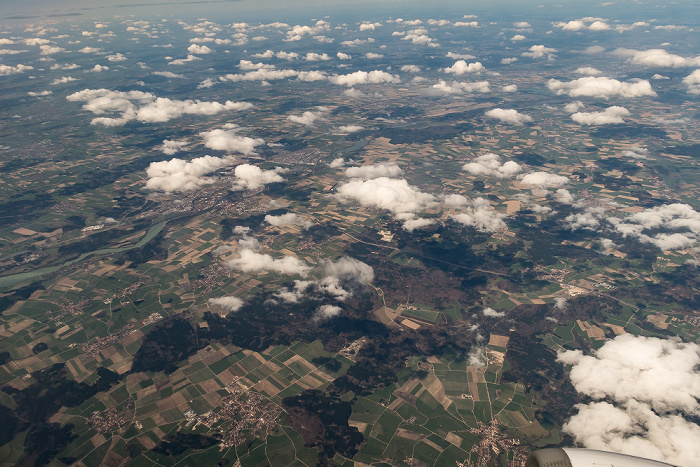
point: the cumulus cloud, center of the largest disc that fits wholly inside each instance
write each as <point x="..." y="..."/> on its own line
<point x="297" y="32"/>
<point x="228" y="140"/>
<point x="491" y="313"/>
<point x="656" y="58"/>
<point x="588" y="70"/>
<point x="325" y="312"/>
<point x="368" y="172"/>
<point x="669" y="227"/>
<point x="410" y="68"/>
<point x="364" y="77"/>
<point x="596" y="24"/>
<point x="251" y="261"/>
<point x="198" y="49"/>
<point x="289" y="218"/>
<point x="144" y="106"/>
<point x="394" y="195"/>
<point x="460" y="56"/>
<point x="171" y="147"/>
<point x="461" y="67"/>
<point x="168" y="74"/>
<point x="343" y="56"/>
<point x="635" y="152"/>
<point x="510" y="88"/>
<point x="350" y="128"/>
<point x="251" y="177"/>
<point x="544" y="180"/>
<point x="315" y="57"/>
<point x="588" y="219"/>
<point x="491" y="166"/>
<point x="11" y="70"/>
<point x="116" y="57"/>
<point x="602" y="87"/>
<point x="539" y="51"/>
<point x="573" y="107"/>
<point x="508" y="116"/>
<point x="178" y="175"/>
<point x="232" y="304"/>
<point x="458" y="87"/>
<point x="369" y="26"/>
<point x="693" y="82"/>
<point x="63" y="80"/>
<point x="338" y="162"/>
<point x="481" y="216"/>
<point x="309" y="118"/>
<point x="336" y="278"/>
<point x="563" y="196"/>
<point x="611" y="115"/>
<point x="518" y="37"/>
<point x="648" y="384"/>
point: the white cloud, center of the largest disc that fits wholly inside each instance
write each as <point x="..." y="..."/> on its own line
<point x="89" y="50"/>
<point x="588" y="70"/>
<point x="410" y="69"/>
<point x="350" y="128"/>
<point x="251" y="177"/>
<point x="508" y="116"/>
<point x="468" y="24"/>
<point x="460" y="56"/>
<point x="368" y="172"/>
<point x="518" y="37"/>
<point x="510" y="88"/>
<point x="611" y="115"/>
<point x="457" y="87"/>
<point x="481" y="216"/>
<point x="394" y="195"/>
<point x="343" y="56"/>
<point x="521" y="24"/>
<point x="369" y="26"/>
<point x="180" y="175"/>
<point x="116" y="57"/>
<point x="508" y="61"/>
<point x="297" y="32"/>
<point x="198" y="49"/>
<point x="461" y="67"/>
<point x="168" y="74"/>
<point x="315" y="57"/>
<point x="693" y="82"/>
<point x="588" y="219"/>
<point x="656" y="58"/>
<point x="490" y="165"/>
<point x="602" y="87"/>
<point x="182" y="61"/>
<point x="289" y="218"/>
<point x="11" y="52"/>
<point x="254" y="262"/>
<point x="649" y="384"/>
<point x="171" y="147"/>
<point x="679" y="225"/>
<point x="635" y="152"/>
<point x="50" y="50"/>
<point x="326" y="312"/>
<point x="573" y="107"/>
<point x="491" y="313"/>
<point x="232" y="304"/>
<point x="564" y="196"/>
<point x="539" y="51"/>
<point x="63" y="80"/>
<point x="309" y="118"/>
<point x="373" y="56"/>
<point x="145" y="107"/>
<point x="98" y="68"/>
<point x="356" y="42"/>
<point x="544" y="180"/>
<point x="364" y="77"/>
<point x="40" y="93"/>
<point x="11" y="70"/>
<point x="335" y="163"/>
